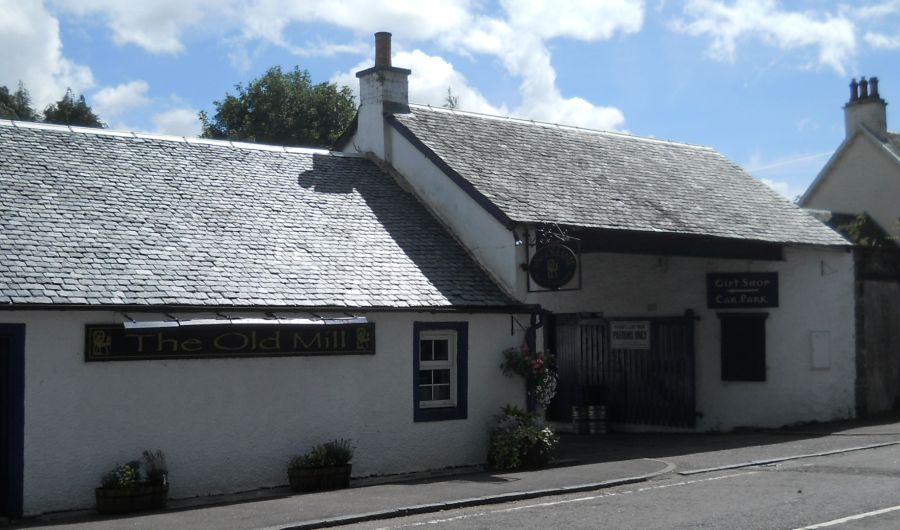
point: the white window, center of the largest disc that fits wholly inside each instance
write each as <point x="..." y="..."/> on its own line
<point x="437" y="368"/>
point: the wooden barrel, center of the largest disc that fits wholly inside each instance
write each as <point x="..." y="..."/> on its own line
<point x="596" y="419"/>
<point x="579" y="419"/>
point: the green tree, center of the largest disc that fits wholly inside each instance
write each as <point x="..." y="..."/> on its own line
<point x="16" y="105"/>
<point x="72" y="111"/>
<point x="282" y="108"/>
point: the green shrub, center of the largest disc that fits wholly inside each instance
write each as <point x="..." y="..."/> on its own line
<point x="155" y="467"/>
<point x="123" y="476"/>
<point x="519" y="441"/>
<point x="329" y="454"/>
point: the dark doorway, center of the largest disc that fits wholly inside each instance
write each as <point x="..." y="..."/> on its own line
<point x="12" y="375"/>
<point x="646" y="378"/>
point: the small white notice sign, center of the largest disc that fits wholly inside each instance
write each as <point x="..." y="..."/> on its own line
<point x="629" y="335"/>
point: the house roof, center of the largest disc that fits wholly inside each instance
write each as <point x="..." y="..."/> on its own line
<point x="890" y="146"/>
<point x="542" y="173"/>
<point x="94" y="217"/>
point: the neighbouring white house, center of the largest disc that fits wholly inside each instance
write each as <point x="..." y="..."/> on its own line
<point x="232" y="305"/>
<point x="676" y="289"/>
<point x="863" y="175"/>
<point x="858" y="193"/>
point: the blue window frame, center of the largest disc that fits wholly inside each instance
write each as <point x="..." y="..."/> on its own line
<point x="440" y="370"/>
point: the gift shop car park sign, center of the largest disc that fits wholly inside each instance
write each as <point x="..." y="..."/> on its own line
<point x="741" y="289"/>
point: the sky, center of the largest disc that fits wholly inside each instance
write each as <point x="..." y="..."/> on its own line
<point x="762" y="81"/>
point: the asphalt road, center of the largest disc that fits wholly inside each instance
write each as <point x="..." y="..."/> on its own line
<point x="845" y="491"/>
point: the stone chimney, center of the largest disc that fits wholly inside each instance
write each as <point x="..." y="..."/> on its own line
<point x="383" y="90"/>
<point x="865" y="108"/>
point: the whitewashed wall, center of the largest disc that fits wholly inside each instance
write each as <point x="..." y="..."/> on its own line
<point x="815" y="294"/>
<point x="864" y="178"/>
<point x="229" y="425"/>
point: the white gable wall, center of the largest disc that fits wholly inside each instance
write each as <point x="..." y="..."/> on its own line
<point x="230" y="425"/>
<point x="815" y="292"/>
<point x="863" y="178"/>
<point x="486" y="239"/>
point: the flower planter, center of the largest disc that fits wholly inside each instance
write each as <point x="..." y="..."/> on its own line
<point x="135" y="499"/>
<point x="319" y="478"/>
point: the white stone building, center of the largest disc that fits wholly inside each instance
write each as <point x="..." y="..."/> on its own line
<point x="252" y="301"/>
<point x="742" y="301"/>
<point x="233" y="304"/>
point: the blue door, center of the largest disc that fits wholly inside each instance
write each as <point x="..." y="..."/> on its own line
<point x="12" y="395"/>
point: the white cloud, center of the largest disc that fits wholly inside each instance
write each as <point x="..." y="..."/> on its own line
<point x="29" y="36"/>
<point x="882" y="42"/>
<point x="155" y="26"/>
<point x="517" y="36"/>
<point x="178" y="122"/>
<point x="873" y="11"/>
<point x="726" y="25"/>
<point x="579" y="19"/>
<point x="782" y="188"/>
<point x="110" y="102"/>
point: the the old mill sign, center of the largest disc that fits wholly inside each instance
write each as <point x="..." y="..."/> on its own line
<point x="117" y="343"/>
<point x="741" y="289"/>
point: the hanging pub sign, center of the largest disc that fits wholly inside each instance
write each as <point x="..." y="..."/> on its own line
<point x="629" y="335"/>
<point x="741" y="289"/>
<point x="553" y="265"/>
<point x="115" y="342"/>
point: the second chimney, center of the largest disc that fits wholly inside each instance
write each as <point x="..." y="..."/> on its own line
<point x="865" y="108"/>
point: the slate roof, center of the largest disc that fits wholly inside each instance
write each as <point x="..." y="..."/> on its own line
<point x="542" y="173"/>
<point x="103" y="218"/>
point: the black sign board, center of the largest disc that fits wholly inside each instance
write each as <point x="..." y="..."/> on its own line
<point x="741" y="289"/>
<point x="117" y="343"/>
<point x="553" y="266"/>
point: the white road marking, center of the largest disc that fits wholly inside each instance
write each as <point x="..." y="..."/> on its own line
<point x="857" y="517"/>
<point x="566" y="501"/>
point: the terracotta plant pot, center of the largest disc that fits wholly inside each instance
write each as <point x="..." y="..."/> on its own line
<point x="138" y="498"/>
<point x="319" y="478"/>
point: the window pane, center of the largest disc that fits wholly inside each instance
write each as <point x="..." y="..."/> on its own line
<point x="426" y="350"/>
<point x="442" y="392"/>
<point x="441" y="348"/>
<point x="441" y="376"/>
<point x="743" y="349"/>
<point x="425" y="393"/>
<point x="425" y="377"/>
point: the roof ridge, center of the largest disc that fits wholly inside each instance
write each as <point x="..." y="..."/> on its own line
<point x="561" y="126"/>
<point x="18" y="124"/>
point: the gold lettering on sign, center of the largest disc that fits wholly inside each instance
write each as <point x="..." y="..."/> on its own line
<point x="191" y="345"/>
<point x="101" y="342"/>
<point x="363" y="338"/>
<point x="271" y="343"/>
<point x="552" y="268"/>
<point x="231" y="341"/>
<point x="300" y="343"/>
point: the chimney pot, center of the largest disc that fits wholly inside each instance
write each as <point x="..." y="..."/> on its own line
<point x="382" y="48"/>
<point x="873" y="82"/>
<point x="854" y="90"/>
<point x="863" y="88"/>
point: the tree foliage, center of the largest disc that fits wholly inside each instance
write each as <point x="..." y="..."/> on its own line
<point x="67" y="111"/>
<point x="71" y="111"/>
<point x="16" y="105"/>
<point x="283" y="108"/>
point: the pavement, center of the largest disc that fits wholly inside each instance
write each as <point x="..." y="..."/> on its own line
<point x="582" y="463"/>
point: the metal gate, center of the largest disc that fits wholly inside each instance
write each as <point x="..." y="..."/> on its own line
<point x="651" y="384"/>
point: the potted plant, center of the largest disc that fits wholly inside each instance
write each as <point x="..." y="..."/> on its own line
<point x="519" y="441"/>
<point x="123" y="489"/>
<point x="324" y="467"/>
